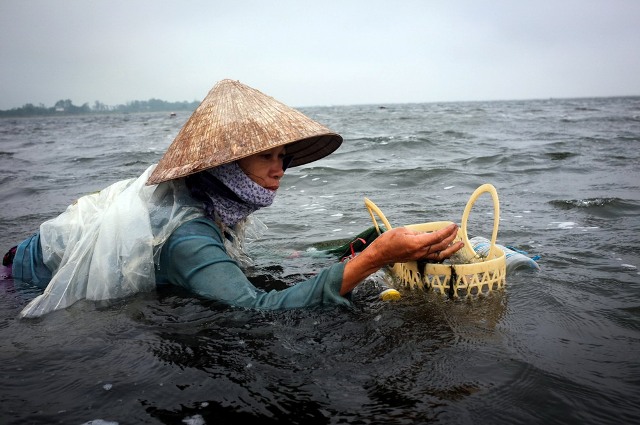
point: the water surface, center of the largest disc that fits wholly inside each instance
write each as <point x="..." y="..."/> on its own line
<point x="557" y="346"/>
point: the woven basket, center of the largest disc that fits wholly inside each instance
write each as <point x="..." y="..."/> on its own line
<point x="465" y="273"/>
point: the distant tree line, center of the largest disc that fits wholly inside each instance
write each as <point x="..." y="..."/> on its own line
<point x="66" y="107"/>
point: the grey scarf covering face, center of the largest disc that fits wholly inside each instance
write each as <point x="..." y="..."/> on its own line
<point x="236" y="199"/>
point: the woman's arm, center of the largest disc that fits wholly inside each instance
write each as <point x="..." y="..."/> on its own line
<point x="194" y="257"/>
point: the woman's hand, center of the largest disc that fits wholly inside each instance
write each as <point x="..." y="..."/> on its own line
<point x="399" y="245"/>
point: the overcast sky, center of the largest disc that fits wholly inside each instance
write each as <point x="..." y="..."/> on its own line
<point x="322" y="52"/>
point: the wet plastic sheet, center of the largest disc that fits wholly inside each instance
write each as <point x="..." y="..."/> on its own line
<point x="103" y="246"/>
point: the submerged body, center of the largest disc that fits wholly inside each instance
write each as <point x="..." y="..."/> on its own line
<point x="87" y="252"/>
<point x="193" y="258"/>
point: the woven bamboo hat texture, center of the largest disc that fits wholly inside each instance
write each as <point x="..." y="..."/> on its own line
<point x="235" y="121"/>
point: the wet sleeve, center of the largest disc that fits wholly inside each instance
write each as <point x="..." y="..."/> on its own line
<point x="194" y="257"/>
<point x="28" y="265"/>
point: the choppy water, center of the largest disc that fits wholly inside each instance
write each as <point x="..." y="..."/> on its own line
<point x="557" y="346"/>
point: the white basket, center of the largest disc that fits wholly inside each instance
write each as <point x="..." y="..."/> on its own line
<point x="465" y="273"/>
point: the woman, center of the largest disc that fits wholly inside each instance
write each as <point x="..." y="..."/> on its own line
<point x="184" y="221"/>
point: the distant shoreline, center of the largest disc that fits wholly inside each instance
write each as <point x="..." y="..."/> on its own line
<point x="66" y="107"/>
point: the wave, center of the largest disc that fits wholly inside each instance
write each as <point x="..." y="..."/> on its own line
<point x="605" y="207"/>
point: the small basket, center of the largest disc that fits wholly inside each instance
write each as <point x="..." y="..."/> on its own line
<point x="466" y="272"/>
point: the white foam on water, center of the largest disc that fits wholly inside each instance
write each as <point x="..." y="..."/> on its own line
<point x="100" y="422"/>
<point x="564" y="224"/>
<point x="194" y="420"/>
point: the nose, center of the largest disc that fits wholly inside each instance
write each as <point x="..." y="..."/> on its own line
<point x="277" y="170"/>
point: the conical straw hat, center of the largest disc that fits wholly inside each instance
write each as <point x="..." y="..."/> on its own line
<point x="235" y="121"/>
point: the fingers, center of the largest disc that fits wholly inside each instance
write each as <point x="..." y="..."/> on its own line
<point x="441" y="245"/>
<point x="446" y="252"/>
<point x="450" y="249"/>
<point x="441" y="239"/>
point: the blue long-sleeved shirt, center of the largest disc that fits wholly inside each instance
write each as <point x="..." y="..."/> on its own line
<point x="194" y="258"/>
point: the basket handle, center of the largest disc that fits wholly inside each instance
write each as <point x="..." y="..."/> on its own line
<point x="496" y="213"/>
<point x="373" y="209"/>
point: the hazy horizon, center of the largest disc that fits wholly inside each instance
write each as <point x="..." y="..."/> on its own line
<point x="351" y="104"/>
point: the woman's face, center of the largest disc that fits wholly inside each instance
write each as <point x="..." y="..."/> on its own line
<point x="265" y="168"/>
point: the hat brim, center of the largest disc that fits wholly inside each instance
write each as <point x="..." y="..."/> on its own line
<point x="313" y="148"/>
<point x="235" y="121"/>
